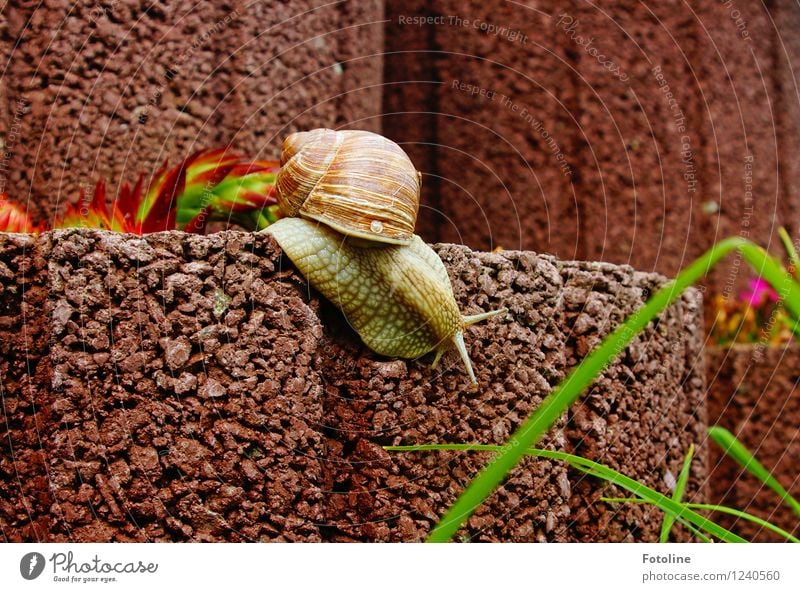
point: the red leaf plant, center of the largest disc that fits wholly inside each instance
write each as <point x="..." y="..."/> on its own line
<point x="209" y="186"/>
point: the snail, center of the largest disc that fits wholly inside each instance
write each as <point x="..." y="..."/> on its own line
<point x="351" y="200"/>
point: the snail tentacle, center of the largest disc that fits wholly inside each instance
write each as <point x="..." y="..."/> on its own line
<point x="458" y="340"/>
<point x="477" y="318"/>
<point x="437" y="358"/>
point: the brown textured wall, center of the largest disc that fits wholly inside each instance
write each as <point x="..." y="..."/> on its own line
<point x="93" y="91"/>
<point x="110" y="90"/>
<point x="754" y="394"/>
<point x="649" y="185"/>
<point x="492" y="179"/>
<point x="787" y="112"/>
<point x="738" y="77"/>
<point x="410" y="104"/>
<point x="639" y="417"/>
<point x="633" y="201"/>
<point x="24" y="379"/>
<point x="189" y="389"/>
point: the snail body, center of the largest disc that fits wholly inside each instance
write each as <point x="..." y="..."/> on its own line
<point x="355" y="243"/>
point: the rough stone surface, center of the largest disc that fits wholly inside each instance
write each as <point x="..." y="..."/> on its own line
<point x="455" y="98"/>
<point x="110" y="90"/>
<point x="411" y="104"/>
<point x="639" y="417"/>
<point x="192" y="388"/>
<point x="653" y="184"/>
<point x="640" y="157"/>
<point x="754" y="394"/>
<point x="182" y="402"/>
<point x="25" y="414"/>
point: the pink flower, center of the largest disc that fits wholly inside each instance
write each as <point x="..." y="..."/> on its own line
<point x="758" y="293"/>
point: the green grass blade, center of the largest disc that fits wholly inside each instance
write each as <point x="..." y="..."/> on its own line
<point x="715" y="508"/>
<point x="733" y="447"/>
<point x="747" y="516"/>
<point x="699" y="534"/>
<point x="568" y="391"/>
<point x="677" y="510"/>
<point x="795" y="329"/>
<point x="677" y="495"/>
<point x="770" y="269"/>
<point x="791" y="252"/>
<point x="638" y="500"/>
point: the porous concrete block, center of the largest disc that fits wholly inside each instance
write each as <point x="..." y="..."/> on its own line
<point x="753" y="392"/>
<point x="195" y="388"/>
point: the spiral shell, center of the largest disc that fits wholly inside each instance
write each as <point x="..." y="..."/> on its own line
<point x="356" y="182"/>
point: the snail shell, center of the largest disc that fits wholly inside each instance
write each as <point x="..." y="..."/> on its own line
<point x="358" y="183"/>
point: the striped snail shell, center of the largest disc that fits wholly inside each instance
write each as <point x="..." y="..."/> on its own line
<point x="356" y="182"/>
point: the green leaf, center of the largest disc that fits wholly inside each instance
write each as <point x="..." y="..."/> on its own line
<point x="791" y="252"/>
<point x="734" y="448"/>
<point x="746" y="516"/>
<point x="678" y="511"/>
<point x="699" y="534"/>
<point x="581" y="377"/>
<point x="715" y="508"/>
<point x="677" y="495"/>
